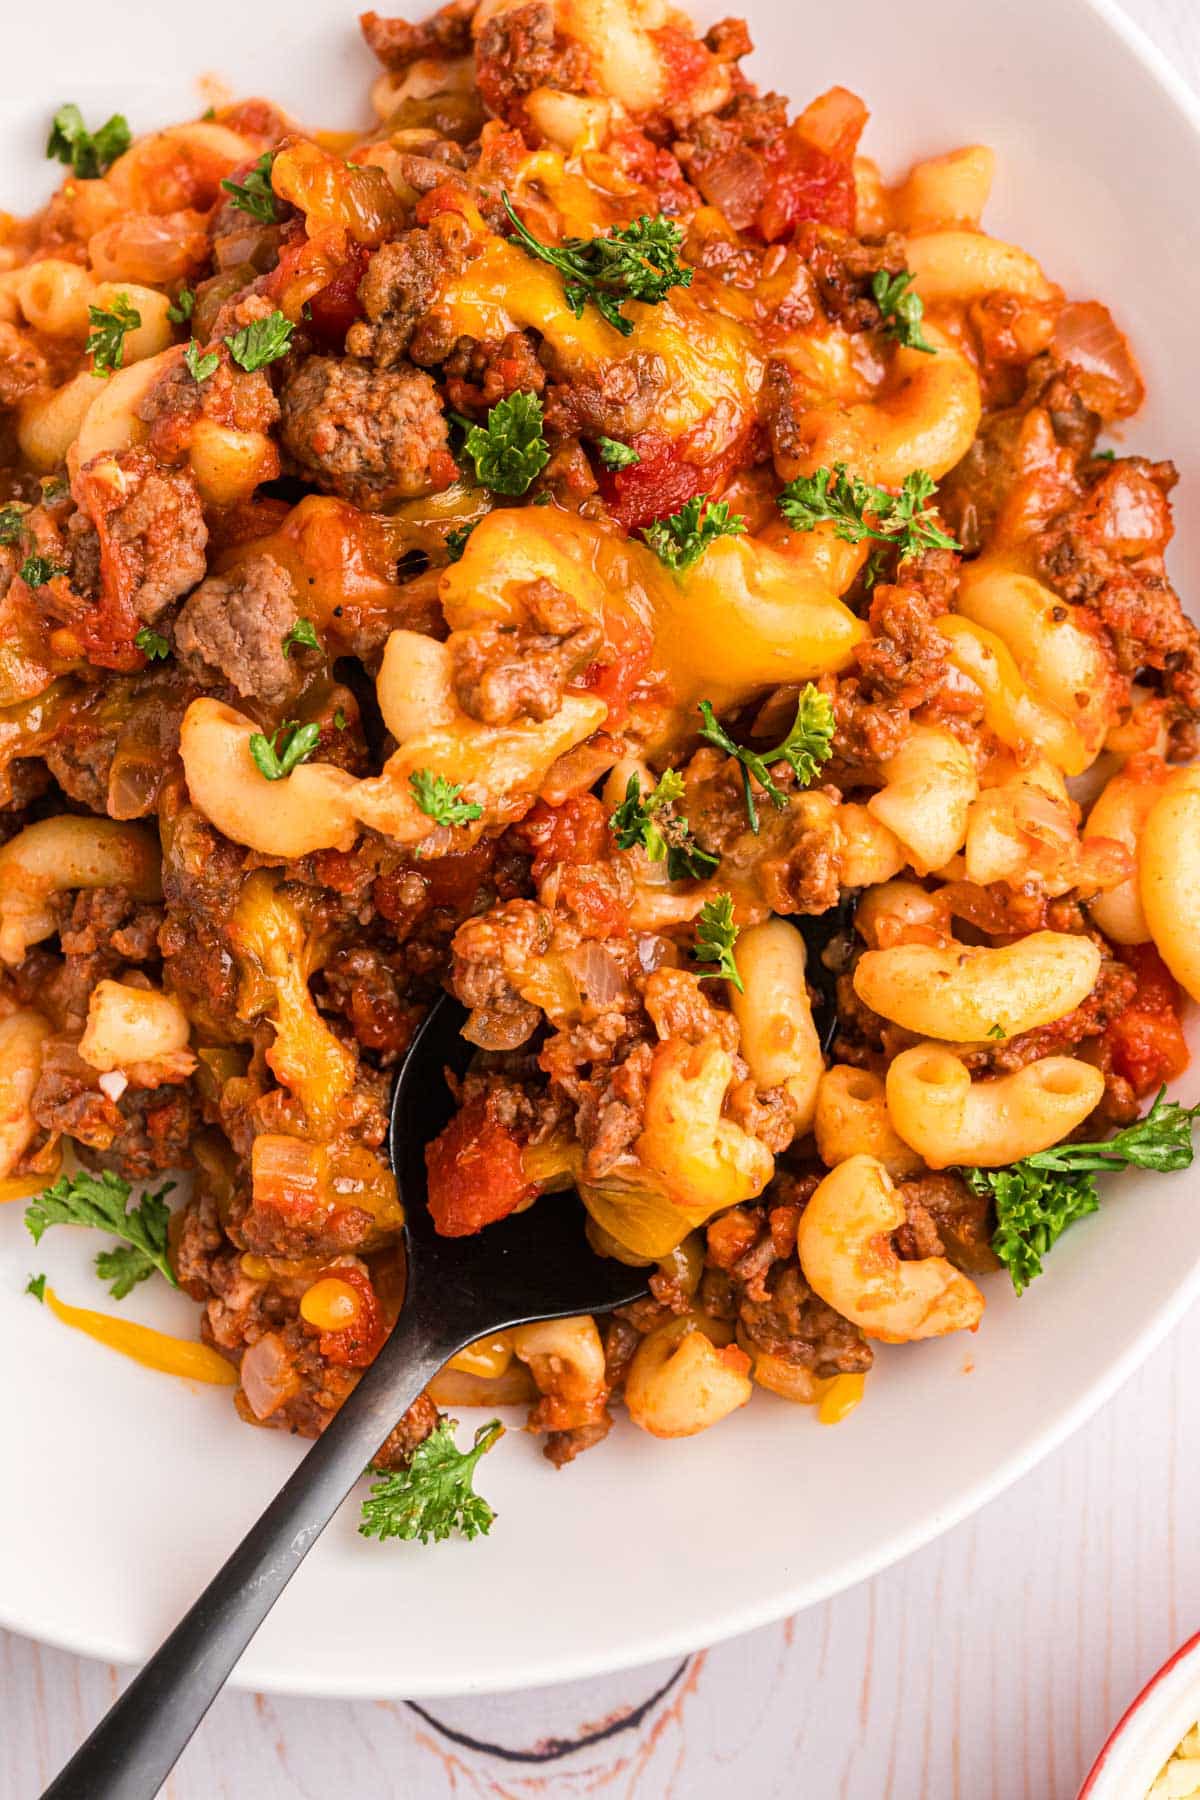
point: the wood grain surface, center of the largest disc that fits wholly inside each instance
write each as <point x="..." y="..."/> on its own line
<point x="986" y="1667"/>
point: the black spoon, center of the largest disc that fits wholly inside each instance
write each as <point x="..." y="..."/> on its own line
<point x="535" y="1265"/>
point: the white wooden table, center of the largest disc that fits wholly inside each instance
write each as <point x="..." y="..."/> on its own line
<point x="987" y="1667"/>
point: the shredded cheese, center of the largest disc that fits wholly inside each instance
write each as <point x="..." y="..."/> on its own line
<point x="154" y="1349"/>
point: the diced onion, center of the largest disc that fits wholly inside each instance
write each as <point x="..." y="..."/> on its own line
<point x="268" y="1377"/>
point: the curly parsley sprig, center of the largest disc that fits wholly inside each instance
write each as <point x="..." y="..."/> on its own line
<point x="261" y="342"/>
<point x="152" y="644"/>
<point x="510" y="450"/>
<point x="654" y="826"/>
<point x="12" y="524"/>
<point x="36" y="571"/>
<point x="109" y="327"/>
<point x="183" y="306"/>
<point x="435" y="1496"/>
<point x="901" y="309"/>
<point x="89" y="154"/>
<point x="716" y="935"/>
<point x="200" y="364"/>
<point x="807" y="745"/>
<point x="633" y="262"/>
<point x="302" y="635"/>
<point x="1037" y="1198"/>
<point x="102" y="1202"/>
<point x="857" y="509"/>
<point x="277" y="756"/>
<point x="681" y="539"/>
<point x="438" y="798"/>
<point x="254" y="194"/>
<point x="615" y="455"/>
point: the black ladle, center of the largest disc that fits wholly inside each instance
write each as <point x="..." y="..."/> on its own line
<point x="535" y="1265"/>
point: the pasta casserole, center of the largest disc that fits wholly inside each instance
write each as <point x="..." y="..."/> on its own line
<point x="591" y="542"/>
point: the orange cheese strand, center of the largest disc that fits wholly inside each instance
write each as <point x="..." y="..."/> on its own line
<point x="22" y="1187"/>
<point x="174" y="1356"/>
<point x="840" y="1398"/>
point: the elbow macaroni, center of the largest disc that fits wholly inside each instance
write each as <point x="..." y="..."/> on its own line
<point x="929" y="785"/>
<point x="966" y="994"/>
<point x="1169" y="877"/>
<point x="778" y="1037"/>
<point x="852" y="1119"/>
<point x="948" y="1118"/>
<point x="845" y="1249"/>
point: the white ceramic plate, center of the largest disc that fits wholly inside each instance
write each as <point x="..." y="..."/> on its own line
<point x="123" y="1490"/>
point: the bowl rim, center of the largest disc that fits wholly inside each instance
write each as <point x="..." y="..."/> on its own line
<point x="1186" y="1652"/>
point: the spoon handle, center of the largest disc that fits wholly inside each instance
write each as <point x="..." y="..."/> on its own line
<point x="133" y="1748"/>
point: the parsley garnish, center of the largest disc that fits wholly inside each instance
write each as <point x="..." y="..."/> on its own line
<point x="662" y="833"/>
<point x="261" y="342"/>
<point x="106" y="340"/>
<point x="102" y="1201"/>
<point x="12" y="524"/>
<point x="680" y="540"/>
<point x="254" y="194"/>
<point x="435" y="1496"/>
<point x="509" y="450"/>
<point x="996" y="1031"/>
<point x="71" y="142"/>
<point x="1038" y="1197"/>
<point x="807" y="745"/>
<point x="634" y="262"/>
<point x="152" y="644"/>
<point x="902" y="310"/>
<point x="456" y="541"/>
<point x="200" y="366"/>
<point x="36" y="1285"/>
<point x="36" y="571"/>
<point x="339" y="720"/>
<point x="277" y="756"/>
<point x="302" y="632"/>
<point x="182" y="307"/>
<point x="903" y="519"/>
<point x="1104" y="456"/>
<point x="716" y="934"/>
<point x="616" y="456"/>
<point x="437" y="797"/>
<point x="54" y="490"/>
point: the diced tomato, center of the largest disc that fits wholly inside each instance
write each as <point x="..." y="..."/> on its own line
<point x="359" y="1344"/>
<point x="1146" y="1045"/>
<point x="686" y="59"/>
<point x="323" y="274"/>
<point x="575" y="832"/>
<point x="805" y="182"/>
<point x="475" y="1173"/>
<point x="445" y="198"/>
<point x="335" y="307"/>
<point x="600" y="912"/>
<point x="452" y="880"/>
<point x="648" y="163"/>
<point x="666" y="478"/>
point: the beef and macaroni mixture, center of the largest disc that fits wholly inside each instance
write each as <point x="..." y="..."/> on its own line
<point x="594" y="543"/>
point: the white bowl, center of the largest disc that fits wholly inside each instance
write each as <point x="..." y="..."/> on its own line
<point x="1149" y="1730"/>
<point x="123" y="1490"/>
